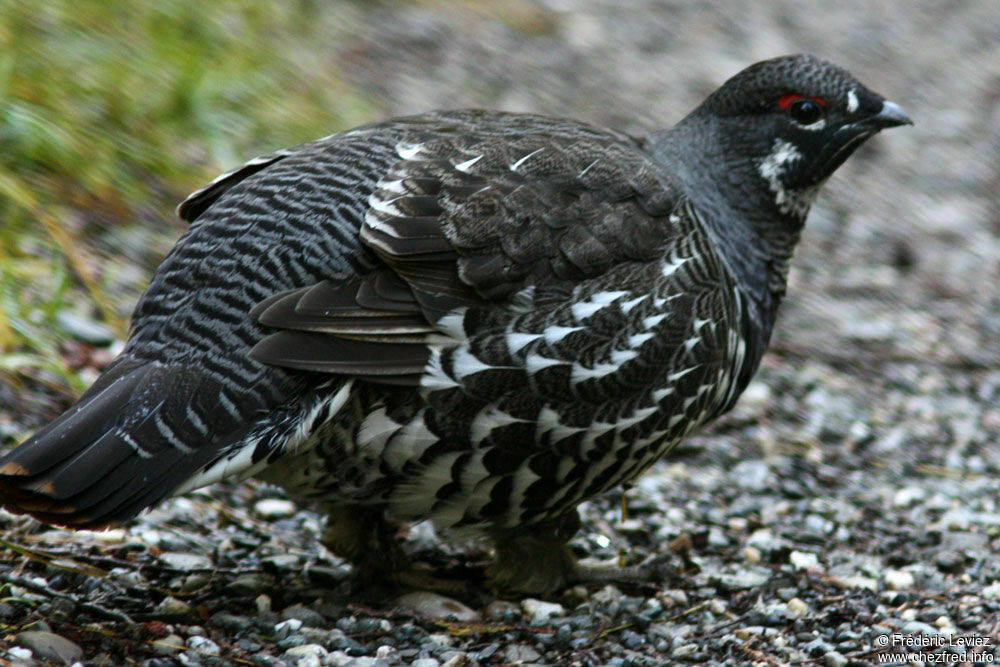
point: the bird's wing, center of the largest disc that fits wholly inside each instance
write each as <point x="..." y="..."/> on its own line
<point x="461" y="222"/>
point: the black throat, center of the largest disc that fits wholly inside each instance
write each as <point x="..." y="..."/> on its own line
<point x="739" y="208"/>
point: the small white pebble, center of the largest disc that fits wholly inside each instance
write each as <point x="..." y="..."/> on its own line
<point x="150" y="537"/>
<point x="796" y="607"/>
<point x="539" y="611"/>
<point x="114" y="536"/>
<point x="752" y="555"/>
<point x="20" y="653"/>
<point x="287" y="628"/>
<point x="835" y="659"/>
<point x="908" y="614"/>
<point x="203" y="645"/>
<point x="857" y="581"/>
<point x="909" y="495"/>
<point x="803" y="560"/>
<point x="652" y="605"/>
<point x="274" y="508"/>
<point x="763" y="539"/>
<point x="942" y="622"/>
<point x="171" y="605"/>
<point x="306" y="651"/>
<point x="184" y="561"/>
<point x="992" y="592"/>
<point x="338" y="658"/>
<point x="263" y="603"/>
<point x="674" y="598"/>
<point x="432" y="605"/>
<point x="440" y="639"/>
<point x="684" y="650"/>
<point x="898" y="580"/>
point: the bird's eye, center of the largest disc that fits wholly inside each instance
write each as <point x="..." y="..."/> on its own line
<point x="805" y="111"/>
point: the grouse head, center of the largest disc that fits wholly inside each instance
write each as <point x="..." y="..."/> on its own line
<point x="783" y="126"/>
<point x="754" y="155"/>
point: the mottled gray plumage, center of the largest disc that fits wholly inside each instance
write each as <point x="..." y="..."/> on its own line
<point x="475" y="317"/>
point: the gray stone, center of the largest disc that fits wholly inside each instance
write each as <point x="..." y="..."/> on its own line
<point x="168" y="645"/>
<point x="308" y="616"/>
<point x="306" y="655"/>
<point x="287" y="628"/>
<point x="171" y="605"/>
<point x="185" y="561"/>
<point x="499" y="610"/>
<point x="425" y="662"/>
<point x="281" y="562"/>
<point x="750" y="475"/>
<point x="432" y="605"/>
<point x="203" y="645"/>
<point x="49" y="646"/>
<point x="231" y="622"/>
<point x="249" y="585"/>
<point x="520" y="653"/>
<point x="539" y="611"/>
<point x="741" y="580"/>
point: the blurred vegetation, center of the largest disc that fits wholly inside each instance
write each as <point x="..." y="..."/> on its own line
<point x="110" y="113"/>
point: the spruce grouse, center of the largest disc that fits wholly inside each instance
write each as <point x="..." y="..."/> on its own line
<point x="473" y="317"/>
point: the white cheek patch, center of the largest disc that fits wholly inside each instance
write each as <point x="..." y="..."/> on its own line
<point x="852" y="101"/>
<point x="773" y="166"/>
<point x="772" y="169"/>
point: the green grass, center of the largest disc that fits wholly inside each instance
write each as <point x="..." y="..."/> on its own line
<point x="110" y="113"/>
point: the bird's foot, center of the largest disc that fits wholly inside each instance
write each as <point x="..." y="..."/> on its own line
<point x="420" y="577"/>
<point x="365" y="539"/>
<point x="651" y="570"/>
<point x="539" y="561"/>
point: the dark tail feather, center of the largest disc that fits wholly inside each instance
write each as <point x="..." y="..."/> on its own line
<point x="85" y="469"/>
<point x="75" y="429"/>
<point x="116" y="497"/>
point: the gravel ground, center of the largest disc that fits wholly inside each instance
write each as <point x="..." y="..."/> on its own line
<point x="846" y="509"/>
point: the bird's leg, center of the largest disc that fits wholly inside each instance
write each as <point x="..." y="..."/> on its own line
<point x="538" y="560"/>
<point x="535" y="559"/>
<point x="365" y="539"/>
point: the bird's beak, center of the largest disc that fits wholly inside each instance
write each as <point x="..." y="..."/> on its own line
<point x="891" y="115"/>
